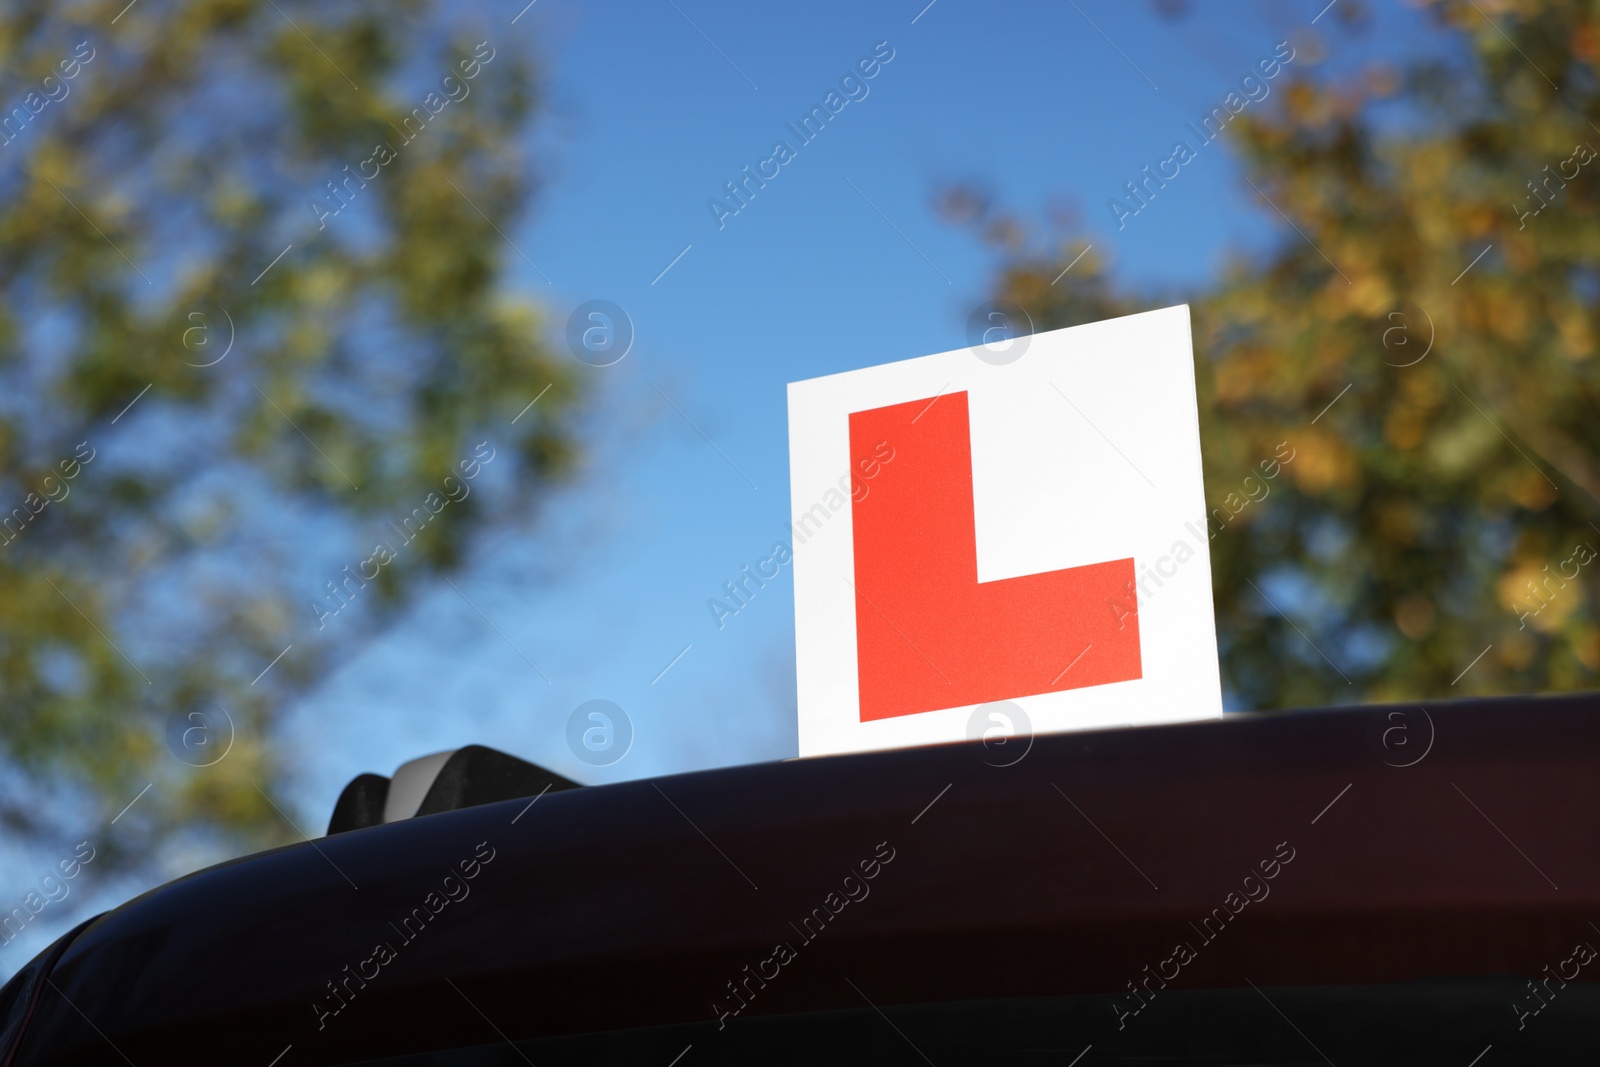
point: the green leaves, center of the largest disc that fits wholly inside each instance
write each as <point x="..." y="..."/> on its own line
<point x="1432" y="361"/>
<point x="267" y="390"/>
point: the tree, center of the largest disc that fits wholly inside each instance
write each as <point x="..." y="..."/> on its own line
<point x="1425" y="344"/>
<point x="255" y="321"/>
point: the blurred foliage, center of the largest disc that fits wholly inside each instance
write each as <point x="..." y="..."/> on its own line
<point x="1435" y="509"/>
<point x="158" y="157"/>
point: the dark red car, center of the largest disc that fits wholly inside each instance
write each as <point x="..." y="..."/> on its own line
<point x="1396" y="885"/>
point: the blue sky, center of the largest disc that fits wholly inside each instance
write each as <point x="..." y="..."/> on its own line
<point x="838" y="263"/>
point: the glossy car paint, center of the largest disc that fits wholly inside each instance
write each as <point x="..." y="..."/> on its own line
<point x="1069" y="871"/>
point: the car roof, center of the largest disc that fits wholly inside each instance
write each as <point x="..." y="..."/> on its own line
<point x="1064" y="864"/>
